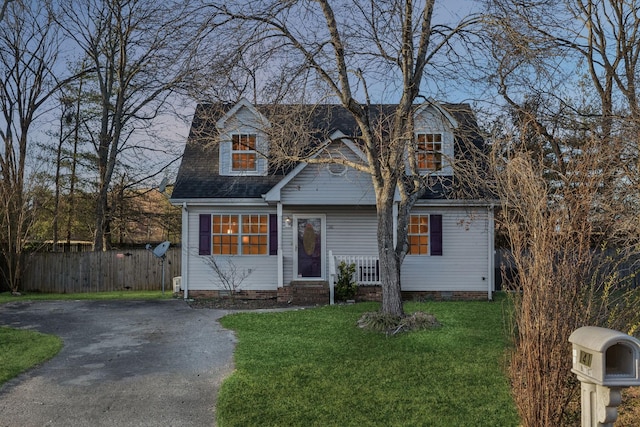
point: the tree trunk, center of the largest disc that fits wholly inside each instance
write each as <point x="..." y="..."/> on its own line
<point x="98" y="238"/>
<point x="389" y="263"/>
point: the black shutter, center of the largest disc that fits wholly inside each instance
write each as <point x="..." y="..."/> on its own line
<point x="273" y="234"/>
<point x="204" y="245"/>
<point x="436" y="234"/>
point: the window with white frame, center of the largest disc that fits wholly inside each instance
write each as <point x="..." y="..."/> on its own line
<point x="418" y="233"/>
<point x="240" y="234"/>
<point x="425" y="234"/>
<point x="243" y="152"/>
<point x="255" y="234"/>
<point x="429" y="151"/>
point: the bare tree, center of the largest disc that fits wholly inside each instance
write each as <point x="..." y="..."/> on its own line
<point x="28" y="53"/>
<point x="3" y="11"/>
<point x="567" y="174"/>
<point x="345" y="50"/>
<point x="570" y="273"/>
<point x="138" y="49"/>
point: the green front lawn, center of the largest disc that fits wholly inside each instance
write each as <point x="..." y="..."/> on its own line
<point x="22" y="349"/>
<point x="316" y="368"/>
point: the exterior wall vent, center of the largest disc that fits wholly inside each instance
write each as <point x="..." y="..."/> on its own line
<point x="336" y="169"/>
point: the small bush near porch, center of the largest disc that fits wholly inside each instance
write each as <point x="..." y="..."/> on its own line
<point x="316" y="367"/>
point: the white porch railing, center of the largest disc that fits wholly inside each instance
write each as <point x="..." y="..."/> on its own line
<point x="367" y="270"/>
<point x="367" y="267"/>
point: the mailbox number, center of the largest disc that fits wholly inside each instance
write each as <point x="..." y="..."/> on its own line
<point x="585" y="358"/>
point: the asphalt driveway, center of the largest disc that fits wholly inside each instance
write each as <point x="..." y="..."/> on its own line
<point x="124" y="363"/>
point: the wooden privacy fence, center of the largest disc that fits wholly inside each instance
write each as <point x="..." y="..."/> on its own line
<point x="67" y="272"/>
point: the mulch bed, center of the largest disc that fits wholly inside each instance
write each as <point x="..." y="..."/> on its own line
<point x="237" y="304"/>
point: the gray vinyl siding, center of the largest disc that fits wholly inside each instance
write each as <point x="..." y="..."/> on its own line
<point x="463" y="265"/>
<point x="315" y="185"/>
<point x="352" y="231"/>
<point x="349" y="231"/>
<point x="264" y="268"/>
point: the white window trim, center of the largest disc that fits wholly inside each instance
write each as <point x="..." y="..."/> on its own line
<point x="442" y="151"/>
<point x="254" y="152"/>
<point x="428" y="234"/>
<point x="240" y="234"/>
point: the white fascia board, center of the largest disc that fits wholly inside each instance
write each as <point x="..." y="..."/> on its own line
<point x="348" y="141"/>
<point x="219" y="202"/>
<point x="242" y="103"/>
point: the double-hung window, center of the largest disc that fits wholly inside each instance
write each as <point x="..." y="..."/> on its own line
<point x="425" y="234"/>
<point x="243" y="152"/>
<point x="246" y="234"/>
<point x="255" y="234"/>
<point x="225" y="234"/>
<point x="429" y="151"/>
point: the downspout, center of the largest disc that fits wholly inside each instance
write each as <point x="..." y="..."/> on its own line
<point x="395" y="224"/>
<point x="280" y="256"/>
<point x="185" y="250"/>
<point x="491" y="251"/>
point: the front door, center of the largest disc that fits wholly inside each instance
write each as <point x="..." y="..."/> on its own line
<point x="309" y="247"/>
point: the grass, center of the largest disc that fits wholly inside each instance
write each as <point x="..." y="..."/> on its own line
<point x="115" y="295"/>
<point x="316" y="368"/>
<point x="22" y="349"/>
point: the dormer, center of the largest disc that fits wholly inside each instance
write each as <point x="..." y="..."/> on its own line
<point x="243" y="141"/>
<point x="434" y="138"/>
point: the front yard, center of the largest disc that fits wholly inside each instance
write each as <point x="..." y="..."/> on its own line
<point x="315" y="367"/>
<point x="21" y="350"/>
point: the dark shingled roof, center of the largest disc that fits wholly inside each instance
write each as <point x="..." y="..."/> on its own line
<point x="198" y="176"/>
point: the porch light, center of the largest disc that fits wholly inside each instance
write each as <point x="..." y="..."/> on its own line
<point x="287" y="221"/>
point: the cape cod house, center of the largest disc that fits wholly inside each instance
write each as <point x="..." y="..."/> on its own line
<point x="285" y="228"/>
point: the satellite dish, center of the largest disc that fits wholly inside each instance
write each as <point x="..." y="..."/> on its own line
<point x="161" y="249"/>
<point x="159" y="252"/>
<point x="163" y="185"/>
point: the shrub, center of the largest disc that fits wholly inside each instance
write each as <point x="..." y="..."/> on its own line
<point x="391" y="325"/>
<point x="346" y="287"/>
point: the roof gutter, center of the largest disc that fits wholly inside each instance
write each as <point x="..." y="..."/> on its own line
<point x="254" y="201"/>
<point x="455" y="202"/>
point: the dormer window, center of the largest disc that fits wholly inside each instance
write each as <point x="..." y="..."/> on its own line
<point x="429" y="151"/>
<point x="243" y="152"/>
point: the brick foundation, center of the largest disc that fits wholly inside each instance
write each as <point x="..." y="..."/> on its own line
<point x="285" y="294"/>
<point x="444" y="296"/>
<point x="249" y="294"/>
<point x="369" y="293"/>
<point x="312" y="293"/>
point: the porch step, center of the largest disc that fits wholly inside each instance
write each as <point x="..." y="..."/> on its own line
<point x="308" y="292"/>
